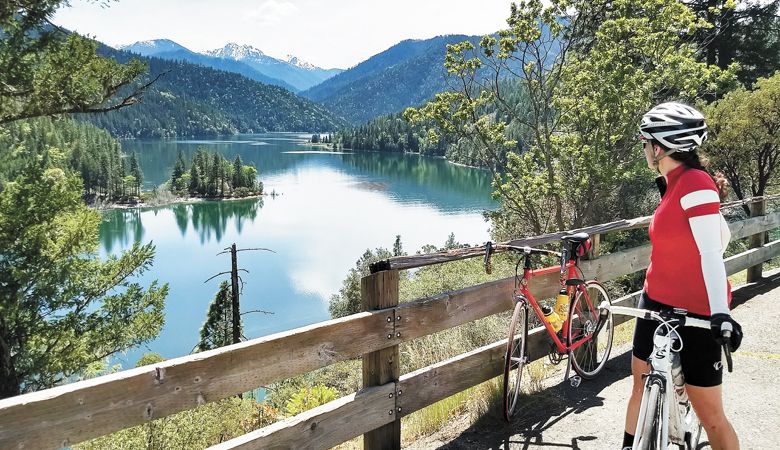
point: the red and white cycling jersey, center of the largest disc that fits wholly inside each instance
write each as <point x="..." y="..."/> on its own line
<point x="689" y="236"/>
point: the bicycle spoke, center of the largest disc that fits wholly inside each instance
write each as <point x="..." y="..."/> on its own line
<point x="592" y="348"/>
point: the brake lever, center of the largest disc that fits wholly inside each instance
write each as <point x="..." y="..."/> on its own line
<point x="726" y="350"/>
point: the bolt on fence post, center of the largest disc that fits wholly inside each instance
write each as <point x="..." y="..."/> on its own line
<point x="379" y="291"/>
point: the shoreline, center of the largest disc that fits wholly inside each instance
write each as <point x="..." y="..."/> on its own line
<point x="175" y="201"/>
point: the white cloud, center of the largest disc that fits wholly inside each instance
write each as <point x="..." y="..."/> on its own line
<point x="271" y="12"/>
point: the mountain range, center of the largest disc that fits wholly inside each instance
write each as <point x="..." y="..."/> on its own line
<point x="290" y="73"/>
<point x="191" y="100"/>
<point x="406" y="74"/>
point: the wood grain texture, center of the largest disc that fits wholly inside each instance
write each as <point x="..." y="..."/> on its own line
<point x="754" y="273"/>
<point x="68" y="414"/>
<point x="753" y="225"/>
<point x="324" y="426"/>
<point x="752" y="257"/>
<point x="380" y="290"/>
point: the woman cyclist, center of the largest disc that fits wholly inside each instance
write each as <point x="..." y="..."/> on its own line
<point x="686" y="270"/>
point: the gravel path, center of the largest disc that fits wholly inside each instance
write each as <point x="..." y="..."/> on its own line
<point x="591" y="417"/>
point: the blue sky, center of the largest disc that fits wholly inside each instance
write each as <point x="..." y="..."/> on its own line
<point x="327" y="33"/>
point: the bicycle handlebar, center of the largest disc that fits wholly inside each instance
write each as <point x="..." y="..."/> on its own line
<point x="526" y="250"/>
<point x="689" y="322"/>
<point x="490" y="248"/>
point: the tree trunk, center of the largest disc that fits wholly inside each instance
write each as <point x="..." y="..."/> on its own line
<point x="236" y="306"/>
<point x="9" y="380"/>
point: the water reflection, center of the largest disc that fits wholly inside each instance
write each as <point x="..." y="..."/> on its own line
<point x="332" y="208"/>
<point x="121" y="228"/>
<point x="416" y="179"/>
<point x="208" y="219"/>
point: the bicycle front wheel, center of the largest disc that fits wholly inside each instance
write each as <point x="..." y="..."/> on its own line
<point x="693" y="430"/>
<point x="589" y="358"/>
<point x="648" y="430"/>
<point x="515" y="359"/>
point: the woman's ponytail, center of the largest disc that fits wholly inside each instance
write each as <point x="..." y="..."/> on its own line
<point x="693" y="161"/>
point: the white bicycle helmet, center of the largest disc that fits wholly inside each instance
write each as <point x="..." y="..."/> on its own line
<point x="676" y="126"/>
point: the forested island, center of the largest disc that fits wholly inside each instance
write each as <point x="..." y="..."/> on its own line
<point x="212" y="176"/>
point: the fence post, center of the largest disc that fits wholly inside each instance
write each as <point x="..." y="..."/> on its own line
<point x="754" y="273"/>
<point x="379" y="291"/>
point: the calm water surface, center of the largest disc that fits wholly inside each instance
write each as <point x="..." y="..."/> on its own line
<point x="331" y="208"/>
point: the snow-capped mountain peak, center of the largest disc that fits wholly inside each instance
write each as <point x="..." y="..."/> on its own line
<point x="237" y="52"/>
<point x="153" y="46"/>
<point x="295" y="61"/>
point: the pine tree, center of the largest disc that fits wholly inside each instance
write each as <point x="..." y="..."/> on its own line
<point x="217" y="331"/>
<point x="194" y="187"/>
<point x="398" y="249"/>
<point x="135" y="171"/>
<point x="178" y="172"/>
<point x="237" y="164"/>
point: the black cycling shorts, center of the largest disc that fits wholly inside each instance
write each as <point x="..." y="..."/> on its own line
<point x="700" y="356"/>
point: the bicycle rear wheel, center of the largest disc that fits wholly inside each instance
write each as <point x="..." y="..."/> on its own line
<point x="515" y="359"/>
<point x="589" y="358"/>
<point x="648" y="430"/>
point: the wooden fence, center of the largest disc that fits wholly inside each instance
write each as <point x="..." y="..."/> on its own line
<point x="65" y="415"/>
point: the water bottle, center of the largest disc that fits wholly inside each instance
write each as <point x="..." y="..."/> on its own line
<point x="553" y="318"/>
<point x="562" y="304"/>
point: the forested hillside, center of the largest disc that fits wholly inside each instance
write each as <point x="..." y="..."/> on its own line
<point x="404" y="75"/>
<point x="193" y="100"/>
<point x="393" y="133"/>
<point x="73" y="146"/>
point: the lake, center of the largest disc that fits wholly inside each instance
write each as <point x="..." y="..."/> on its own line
<point x="330" y="208"/>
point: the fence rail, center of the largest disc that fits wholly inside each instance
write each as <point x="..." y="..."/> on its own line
<point x="69" y="414"/>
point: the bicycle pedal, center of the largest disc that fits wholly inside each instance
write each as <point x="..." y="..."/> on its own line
<point x="575" y="381"/>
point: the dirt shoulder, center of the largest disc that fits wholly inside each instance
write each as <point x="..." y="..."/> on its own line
<point x="591" y="417"/>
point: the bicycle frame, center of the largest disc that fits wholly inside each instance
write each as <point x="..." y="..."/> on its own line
<point x="661" y="361"/>
<point x="522" y="292"/>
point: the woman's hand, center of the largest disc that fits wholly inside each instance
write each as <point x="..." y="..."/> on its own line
<point x="722" y="322"/>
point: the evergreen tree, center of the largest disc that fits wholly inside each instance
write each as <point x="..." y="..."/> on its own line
<point x="217" y="331"/>
<point x="194" y="187"/>
<point x="179" y="169"/>
<point x="237" y="180"/>
<point x="61" y="308"/>
<point x="213" y="179"/>
<point x="38" y="63"/>
<point x="743" y="31"/>
<point x="398" y="249"/>
<point x="136" y="173"/>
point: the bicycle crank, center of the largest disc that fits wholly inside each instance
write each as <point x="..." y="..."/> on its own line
<point x="555" y="357"/>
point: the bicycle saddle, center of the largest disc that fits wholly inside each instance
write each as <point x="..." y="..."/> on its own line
<point x="579" y="237"/>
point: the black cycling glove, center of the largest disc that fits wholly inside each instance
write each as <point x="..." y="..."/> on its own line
<point x="720" y="321"/>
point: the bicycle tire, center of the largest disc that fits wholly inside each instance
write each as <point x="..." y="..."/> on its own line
<point x="591" y="357"/>
<point x="515" y="359"/>
<point x="694" y="429"/>
<point x="648" y="432"/>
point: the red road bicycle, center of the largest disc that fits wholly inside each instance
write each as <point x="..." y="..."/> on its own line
<point x="585" y="336"/>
